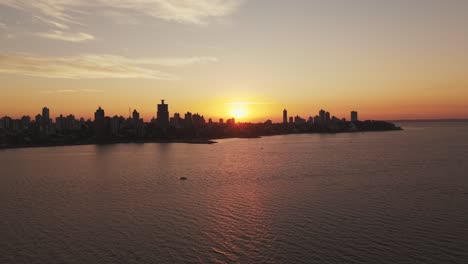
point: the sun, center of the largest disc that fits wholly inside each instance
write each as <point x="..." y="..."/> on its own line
<point x="239" y="111"/>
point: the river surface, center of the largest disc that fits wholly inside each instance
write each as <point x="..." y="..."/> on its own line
<point x="378" y="197"/>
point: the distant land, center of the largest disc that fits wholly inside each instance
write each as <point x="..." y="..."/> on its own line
<point x="430" y="120"/>
<point x="192" y="128"/>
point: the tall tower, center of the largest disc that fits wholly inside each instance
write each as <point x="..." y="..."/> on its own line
<point x="322" y="116"/>
<point x="136" y="116"/>
<point x="45" y="115"/>
<point x="163" y="115"/>
<point x="285" y="116"/>
<point x="100" y="124"/>
<point x="354" y="116"/>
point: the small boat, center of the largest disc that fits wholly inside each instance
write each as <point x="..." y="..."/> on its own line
<point x="183" y="178"/>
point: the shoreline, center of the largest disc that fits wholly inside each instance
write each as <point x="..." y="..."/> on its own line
<point x="188" y="141"/>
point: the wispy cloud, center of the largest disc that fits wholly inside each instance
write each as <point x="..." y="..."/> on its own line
<point x="52" y="22"/>
<point x="94" y="66"/>
<point x="182" y="11"/>
<point x="65" y="91"/>
<point x="65" y="36"/>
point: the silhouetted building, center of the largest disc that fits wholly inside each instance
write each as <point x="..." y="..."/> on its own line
<point x="188" y="120"/>
<point x="60" y="123"/>
<point x="354" y="116"/>
<point x="316" y="119"/>
<point x="6" y="123"/>
<point x="322" y="116"/>
<point x="291" y="120"/>
<point x="198" y="120"/>
<point x="115" y="126"/>
<point x="221" y="121"/>
<point x="45" y="116"/>
<point x="327" y="117"/>
<point x="176" y="121"/>
<point x="299" y="120"/>
<point x="38" y="119"/>
<point x="285" y="116"/>
<point x="136" y="116"/>
<point x="100" y="124"/>
<point x="163" y="115"/>
<point x="26" y="120"/>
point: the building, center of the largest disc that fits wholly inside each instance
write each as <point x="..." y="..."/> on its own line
<point x="26" y="120"/>
<point x="285" y="116"/>
<point x="322" y="116"/>
<point x="136" y="116"/>
<point x="45" y="116"/>
<point x="299" y="120"/>
<point x="176" y="121"/>
<point x="115" y="123"/>
<point x="100" y="124"/>
<point x="327" y="117"/>
<point x="291" y="120"/>
<point x="188" y="120"/>
<point x="162" y="116"/>
<point x="198" y="120"/>
<point x="60" y="123"/>
<point x="354" y="116"/>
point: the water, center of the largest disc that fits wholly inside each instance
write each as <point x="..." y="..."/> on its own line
<point x="386" y="197"/>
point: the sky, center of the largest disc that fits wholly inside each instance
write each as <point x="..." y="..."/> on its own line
<point x="245" y="58"/>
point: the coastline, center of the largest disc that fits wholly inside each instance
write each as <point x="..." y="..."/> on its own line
<point x="180" y="141"/>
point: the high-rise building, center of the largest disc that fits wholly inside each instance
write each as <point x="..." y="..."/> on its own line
<point x="322" y="116"/>
<point x="188" y="120"/>
<point x="176" y="121"/>
<point x="99" y="114"/>
<point x="26" y="120"/>
<point x="327" y="117"/>
<point x="100" y="124"/>
<point x="285" y="116"/>
<point x="291" y="120"/>
<point x="60" y="123"/>
<point x="115" y="126"/>
<point x="136" y="116"/>
<point x="163" y="115"/>
<point x="45" y="115"/>
<point x="354" y="116"/>
<point x="198" y="120"/>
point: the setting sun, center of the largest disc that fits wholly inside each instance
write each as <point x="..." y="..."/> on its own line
<point x="239" y="111"/>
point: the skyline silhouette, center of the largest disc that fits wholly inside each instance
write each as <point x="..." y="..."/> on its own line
<point x="43" y="130"/>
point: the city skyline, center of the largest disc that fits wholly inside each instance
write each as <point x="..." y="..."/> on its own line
<point x="163" y="114"/>
<point x="395" y="60"/>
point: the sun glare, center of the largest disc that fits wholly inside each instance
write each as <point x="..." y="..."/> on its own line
<point x="239" y="111"/>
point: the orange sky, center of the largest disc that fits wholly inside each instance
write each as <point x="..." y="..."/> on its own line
<point x="387" y="60"/>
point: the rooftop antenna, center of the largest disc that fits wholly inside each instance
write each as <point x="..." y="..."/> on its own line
<point x="129" y="112"/>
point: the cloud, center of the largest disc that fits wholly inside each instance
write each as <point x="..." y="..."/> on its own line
<point x="93" y="66"/>
<point x="71" y="91"/>
<point x="198" y="12"/>
<point x="52" y="23"/>
<point x="91" y="90"/>
<point x="70" y="37"/>
<point x="3" y="25"/>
